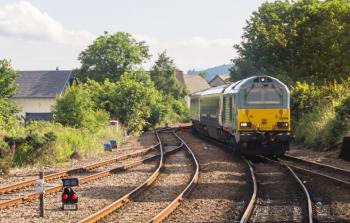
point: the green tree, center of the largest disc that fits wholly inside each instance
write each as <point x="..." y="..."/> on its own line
<point x="133" y="100"/>
<point x="7" y="114"/>
<point x="75" y="108"/>
<point x="8" y="78"/>
<point x="163" y="74"/>
<point x="297" y="40"/>
<point x="110" y="56"/>
<point x="138" y="105"/>
<point x="8" y="88"/>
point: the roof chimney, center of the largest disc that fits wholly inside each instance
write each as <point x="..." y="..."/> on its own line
<point x="57" y="68"/>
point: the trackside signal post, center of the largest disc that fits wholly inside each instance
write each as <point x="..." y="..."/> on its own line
<point x="40" y="190"/>
<point x="69" y="196"/>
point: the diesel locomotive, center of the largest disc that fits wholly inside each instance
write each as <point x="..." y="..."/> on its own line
<point x="253" y="115"/>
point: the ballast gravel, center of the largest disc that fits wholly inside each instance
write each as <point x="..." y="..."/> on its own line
<point x="222" y="189"/>
<point x="279" y="197"/>
<point x="175" y="175"/>
<point x="29" y="172"/>
<point x="92" y="197"/>
<point x="331" y="200"/>
<point x="329" y="157"/>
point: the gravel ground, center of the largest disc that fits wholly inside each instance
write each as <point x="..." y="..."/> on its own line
<point x="221" y="190"/>
<point x="330" y="158"/>
<point x="58" y="182"/>
<point x="279" y="198"/>
<point x="331" y="200"/>
<point x="29" y="172"/>
<point x="175" y="175"/>
<point x="92" y="197"/>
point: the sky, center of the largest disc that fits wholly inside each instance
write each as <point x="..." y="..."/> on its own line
<point x="45" y="34"/>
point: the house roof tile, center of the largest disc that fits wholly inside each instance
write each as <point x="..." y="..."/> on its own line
<point x="195" y="83"/>
<point x="42" y="84"/>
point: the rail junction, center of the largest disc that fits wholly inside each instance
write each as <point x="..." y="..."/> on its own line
<point x="267" y="189"/>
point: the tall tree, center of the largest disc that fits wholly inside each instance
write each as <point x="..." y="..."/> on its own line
<point x="110" y="56"/>
<point x="8" y="88"/>
<point x="300" y="40"/>
<point x="8" y="78"/>
<point x="133" y="100"/>
<point x="163" y="74"/>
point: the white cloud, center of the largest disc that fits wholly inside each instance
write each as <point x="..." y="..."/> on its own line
<point x="23" y="20"/>
<point x="51" y="44"/>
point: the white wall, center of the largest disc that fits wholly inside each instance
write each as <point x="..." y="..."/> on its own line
<point x="37" y="105"/>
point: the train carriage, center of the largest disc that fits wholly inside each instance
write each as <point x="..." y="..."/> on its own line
<point x="252" y="114"/>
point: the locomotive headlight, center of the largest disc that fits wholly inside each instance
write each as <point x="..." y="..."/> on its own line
<point x="282" y="124"/>
<point x="245" y="124"/>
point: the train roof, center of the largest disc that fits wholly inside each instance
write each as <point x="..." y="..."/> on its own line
<point x="213" y="90"/>
<point x="236" y="86"/>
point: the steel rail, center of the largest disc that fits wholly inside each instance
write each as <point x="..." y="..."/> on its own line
<point x="249" y="209"/>
<point x="53" y="176"/>
<point x="176" y="202"/>
<point x="306" y="192"/>
<point x="117" y="204"/>
<point x="320" y="174"/>
<point x="319" y="166"/>
<point x="83" y="180"/>
<point x="300" y="183"/>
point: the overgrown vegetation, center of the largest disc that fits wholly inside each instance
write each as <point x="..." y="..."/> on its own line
<point x="320" y="113"/>
<point x="296" y="40"/>
<point x="114" y="86"/>
<point x="49" y="143"/>
<point x="76" y="109"/>
<point x="305" y="44"/>
<point x="7" y="90"/>
<point x="113" y="81"/>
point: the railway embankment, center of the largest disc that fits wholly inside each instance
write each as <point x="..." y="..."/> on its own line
<point x="320" y="114"/>
<point x="223" y="190"/>
<point x="132" y="143"/>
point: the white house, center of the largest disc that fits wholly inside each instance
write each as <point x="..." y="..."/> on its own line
<point x="37" y="91"/>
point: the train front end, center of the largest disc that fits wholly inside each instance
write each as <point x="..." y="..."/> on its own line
<point x="263" y="116"/>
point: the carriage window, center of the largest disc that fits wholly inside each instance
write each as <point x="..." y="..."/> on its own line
<point x="264" y="95"/>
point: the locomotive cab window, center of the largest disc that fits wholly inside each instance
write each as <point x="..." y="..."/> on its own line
<point x="266" y="95"/>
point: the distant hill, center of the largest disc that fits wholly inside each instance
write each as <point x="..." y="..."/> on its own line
<point x="211" y="72"/>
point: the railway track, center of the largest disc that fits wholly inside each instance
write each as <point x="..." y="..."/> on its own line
<point x="278" y="196"/>
<point x="53" y="176"/>
<point x="110" y="213"/>
<point x="329" y="188"/>
<point x="20" y="192"/>
<point x="328" y="171"/>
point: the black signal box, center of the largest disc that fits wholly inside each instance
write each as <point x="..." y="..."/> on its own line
<point x="70" y="182"/>
<point x="69" y="197"/>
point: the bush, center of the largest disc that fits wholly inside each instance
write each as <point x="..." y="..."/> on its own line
<point x="8" y="120"/>
<point x="133" y="100"/>
<point x="76" y="140"/>
<point x="33" y="148"/>
<point x="321" y="113"/>
<point x="75" y="109"/>
<point x="316" y="129"/>
<point x="181" y="110"/>
<point x="307" y="97"/>
<point x="5" y="158"/>
<point x="48" y="143"/>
